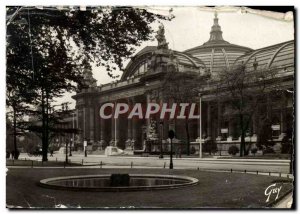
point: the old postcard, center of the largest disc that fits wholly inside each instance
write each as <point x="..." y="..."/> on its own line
<point x="155" y="107"/>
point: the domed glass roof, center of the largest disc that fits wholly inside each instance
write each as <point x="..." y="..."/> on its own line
<point x="139" y="64"/>
<point x="217" y="53"/>
<point x="275" y="56"/>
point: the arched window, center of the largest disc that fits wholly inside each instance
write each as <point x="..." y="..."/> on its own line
<point x="141" y="68"/>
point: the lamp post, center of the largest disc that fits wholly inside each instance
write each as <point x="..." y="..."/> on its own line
<point x="161" y="139"/>
<point x="71" y="141"/>
<point x="84" y="147"/>
<point x="171" y="136"/>
<point x="66" y="150"/>
<point x="200" y="126"/>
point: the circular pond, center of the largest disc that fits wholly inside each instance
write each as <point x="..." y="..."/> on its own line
<point x="118" y="182"/>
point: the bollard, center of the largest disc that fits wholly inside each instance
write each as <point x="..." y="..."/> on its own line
<point x="245" y="171"/>
<point x="279" y="174"/>
<point x="198" y="168"/>
<point x="257" y="172"/>
<point x="82" y="162"/>
<point x="100" y="164"/>
<point x="131" y="164"/>
<point x="269" y="173"/>
<point x="31" y="164"/>
<point x="230" y="170"/>
<point x="164" y="165"/>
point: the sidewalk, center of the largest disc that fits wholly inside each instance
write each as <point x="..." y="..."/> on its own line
<point x="192" y="158"/>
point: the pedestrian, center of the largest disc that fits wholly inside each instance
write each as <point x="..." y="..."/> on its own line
<point x="51" y="153"/>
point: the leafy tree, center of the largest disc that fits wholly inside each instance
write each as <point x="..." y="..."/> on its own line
<point x="18" y="95"/>
<point x="245" y="90"/>
<point x="183" y="87"/>
<point x="52" y="47"/>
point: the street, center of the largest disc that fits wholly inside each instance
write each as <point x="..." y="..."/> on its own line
<point x="261" y="165"/>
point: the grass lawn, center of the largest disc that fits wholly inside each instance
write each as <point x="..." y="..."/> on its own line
<point x="214" y="190"/>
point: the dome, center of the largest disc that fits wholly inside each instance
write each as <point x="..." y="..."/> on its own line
<point x="217" y="53"/>
<point x="139" y="64"/>
<point x="276" y="56"/>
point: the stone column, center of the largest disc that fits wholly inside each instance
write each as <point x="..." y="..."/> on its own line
<point x="148" y="120"/>
<point x="254" y="126"/>
<point x="129" y="131"/>
<point x="102" y="132"/>
<point x="269" y="107"/>
<point x="91" y="125"/>
<point x="208" y="125"/>
<point x="129" y="128"/>
<point x="219" y="121"/>
<point x="283" y="113"/>
<point x="230" y="127"/>
<point x="114" y="131"/>
<point x="134" y="127"/>
<point x="84" y="123"/>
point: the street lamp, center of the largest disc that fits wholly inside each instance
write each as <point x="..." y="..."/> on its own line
<point x="171" y="136"/>
<point x="66" y="151"/>
<point x="84" y="147"/>
<point x="70" y="154"/>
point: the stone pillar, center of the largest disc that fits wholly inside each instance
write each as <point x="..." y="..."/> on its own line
<point x="283" y="113"/>
<point x="283" y="116"/>
<point x="91" y="125"/>
<point x="230" y="127"/>
<point x="84" y="123"/>
<point x="254" y="126"/>
<point x="134" y="127"/>
<point x="219" y="121"/>
<point x="129" y="128"/>
<point x="269" y="107"/>
<point x="148" y="120"/>
<point x="129" y="131"/>
<point x="114" y="131"/>
<point x="102" y="132"/>
<point x="208" y="125"/>
<point x="134" y="132"/>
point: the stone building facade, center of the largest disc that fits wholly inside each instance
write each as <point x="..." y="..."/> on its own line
<point x="142" y="80"/>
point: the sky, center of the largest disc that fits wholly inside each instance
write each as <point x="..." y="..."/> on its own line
<point x="191" y="27"/>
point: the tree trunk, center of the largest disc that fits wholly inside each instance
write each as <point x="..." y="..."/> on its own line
<point x="242" y="147"/>
<point x="44" y="139"/>
<point x="187" y="136"/>
<point x="15" y="135"/>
